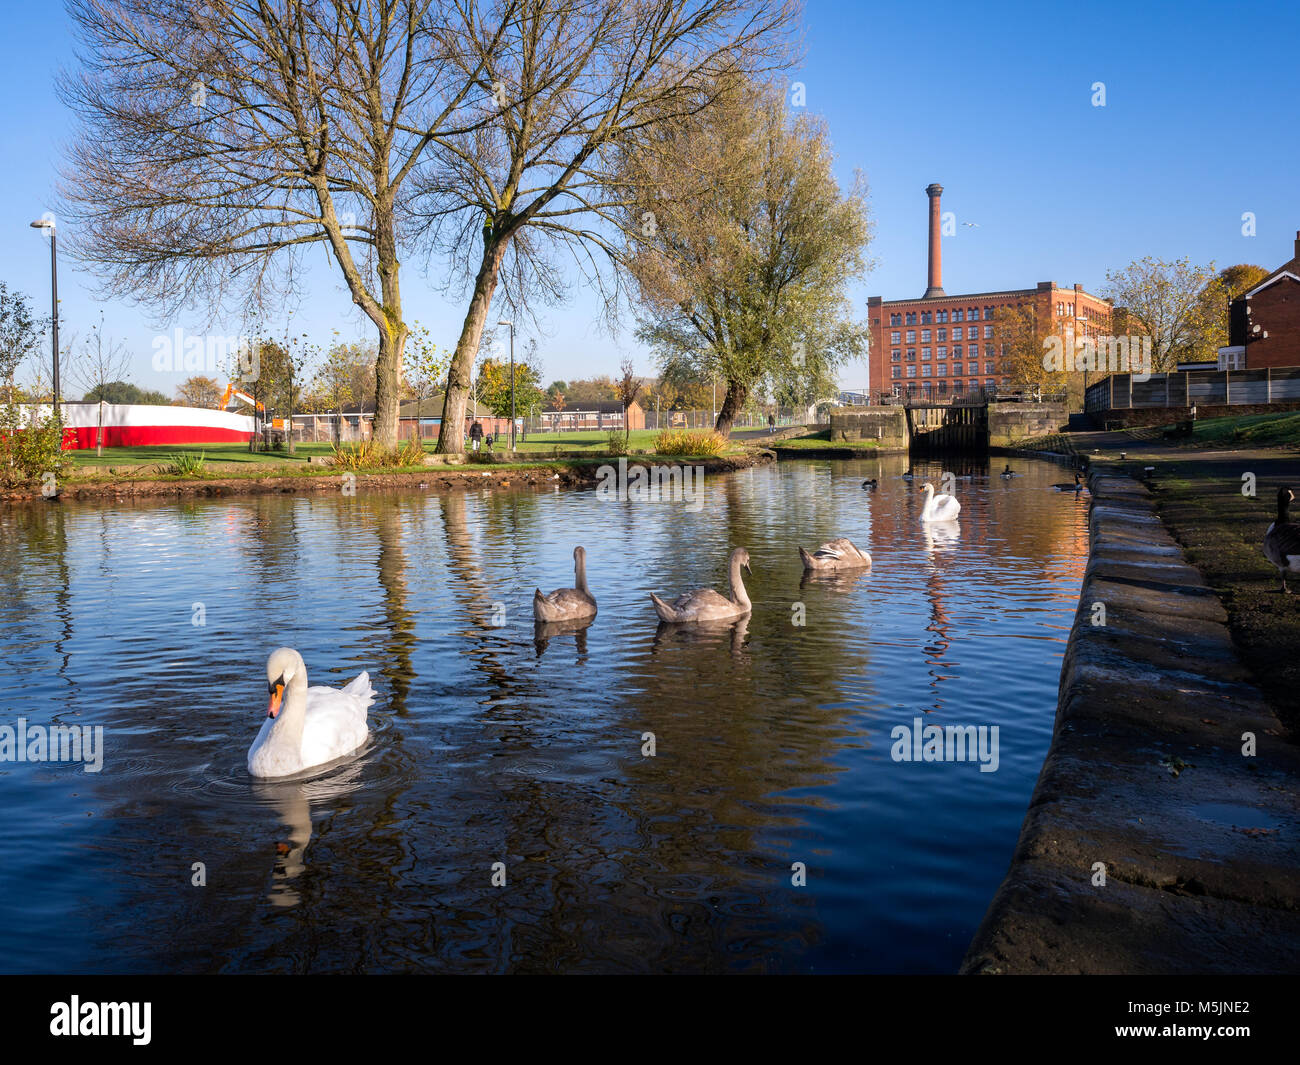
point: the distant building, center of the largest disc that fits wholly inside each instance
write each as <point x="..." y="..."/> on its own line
<point x="940" y="346"/>
<point x="1264" y="323"/>
<point x="425" y="419"/>
<point x="607" y="414"/>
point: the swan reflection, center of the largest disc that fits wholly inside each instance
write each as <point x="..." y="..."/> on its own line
<point x="293" y="800"/>
<point x="545" y="631"/>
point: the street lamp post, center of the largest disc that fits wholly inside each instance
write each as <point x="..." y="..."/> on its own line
<point x="48" y="223"/>
<point x="512" y="382"/>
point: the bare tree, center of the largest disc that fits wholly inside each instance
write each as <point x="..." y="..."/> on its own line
<point x="558" y="90"/>
<point x="220" y="141"/>
<point x="101" y="361"/>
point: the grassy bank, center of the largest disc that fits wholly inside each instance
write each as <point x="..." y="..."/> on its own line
<point x="1252" y="430"/>
<point x="1222" y="534"/>
<point x="822" y="441"/>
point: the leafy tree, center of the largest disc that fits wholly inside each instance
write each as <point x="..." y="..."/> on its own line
<point x="125" y="392"/>
<point x="199" y="391"/>
<point x="494" y="387"/>
<point x="20" y="333"/>
<point x="426" y="368"/>
<point x="284" y="370"/>
<point x="746" y="249"/>
<point x="1167" y="301"/>
<point x="332" y="385"/>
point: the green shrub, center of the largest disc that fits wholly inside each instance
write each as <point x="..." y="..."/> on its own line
<point x="186" y="464"/>
<point x="617" y="442"/>
<point x="28" y="451"/>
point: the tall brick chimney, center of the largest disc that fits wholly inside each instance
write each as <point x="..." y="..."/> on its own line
<point x="1297" y="243"/>
<point x="935" y="277"/>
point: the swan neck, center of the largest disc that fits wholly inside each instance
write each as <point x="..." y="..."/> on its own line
<point x="738" y="594"/>
<point x="292" y="717"/>
<point x="580" y="574"/>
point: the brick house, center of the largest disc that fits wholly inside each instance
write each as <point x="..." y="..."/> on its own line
<point x="1264" y="323"/>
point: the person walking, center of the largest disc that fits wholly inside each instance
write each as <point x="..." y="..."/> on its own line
<point x="771" y="422"/>
<point x="475" y="434"/>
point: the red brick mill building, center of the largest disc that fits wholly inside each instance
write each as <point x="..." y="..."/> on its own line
<point x="940" y="346"/>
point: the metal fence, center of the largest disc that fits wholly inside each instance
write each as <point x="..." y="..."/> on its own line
<point x="1189" y="388"/>
<point x="544" y="424"/>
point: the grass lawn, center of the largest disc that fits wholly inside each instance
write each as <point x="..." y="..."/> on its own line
<point x="162" y="454"/>
<point x="1222" y="533"/>
<point x="1254" y="430"/>
<point x="815" y="441"/>
<point x="593" y="440"/>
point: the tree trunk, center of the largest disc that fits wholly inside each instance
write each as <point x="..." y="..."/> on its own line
<point x="460" y="375"/>
<point x="392" y="337"/>
<point x="731" y="404"/>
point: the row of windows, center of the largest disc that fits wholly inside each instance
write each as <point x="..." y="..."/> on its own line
<point x="941" y="387"/>
<point x="941" y="334"/>
<point x="969" y="314"/>
<point x="942" y="370"/>
<point x="957" y="386"/>
<point x="942" y="352"/>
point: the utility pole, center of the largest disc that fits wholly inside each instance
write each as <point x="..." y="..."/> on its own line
<point x="48" y="225"/>
<point x="512" y="382"/>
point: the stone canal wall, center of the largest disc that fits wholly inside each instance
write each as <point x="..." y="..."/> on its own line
<point x="1010" y="423"/>
<point x="1152" y="843"/>
<point x="884" y="424"/>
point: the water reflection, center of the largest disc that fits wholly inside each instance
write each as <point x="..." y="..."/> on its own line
<point x="499" y="741"/>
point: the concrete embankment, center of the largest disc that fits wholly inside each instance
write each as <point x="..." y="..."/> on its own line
<point x="1146" y="784"/>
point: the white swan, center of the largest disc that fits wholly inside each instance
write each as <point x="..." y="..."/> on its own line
<point x="938" y="508"/>
<point x="705" y="604"/>
<point x="305" y="726"/>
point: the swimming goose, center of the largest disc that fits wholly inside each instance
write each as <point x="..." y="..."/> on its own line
<point x="1008" y="472"/>
<point x="567" y="604"/>
<point x="1282" y="541"/>
<point x="938" y="507"/>
<point x="1064" y="486"/>
<point x="869" y="484"/>
<point x="908" y="475"/>
<point x="705" y="604"/>
<point x="838" y="554"/>
<point x="304" y="726"/>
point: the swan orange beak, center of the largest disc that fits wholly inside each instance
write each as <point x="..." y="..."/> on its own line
<point x="277" y="693"/>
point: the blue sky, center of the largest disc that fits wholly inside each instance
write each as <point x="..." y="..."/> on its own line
<point x="991" y="100"/>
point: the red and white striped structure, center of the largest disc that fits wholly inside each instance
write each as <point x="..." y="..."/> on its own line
<point x="135" y="424"/>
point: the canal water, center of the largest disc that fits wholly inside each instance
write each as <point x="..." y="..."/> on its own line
<point x="771" y="829"/>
